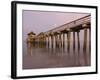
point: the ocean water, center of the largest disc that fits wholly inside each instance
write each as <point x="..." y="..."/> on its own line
<point x="37" y="56"/>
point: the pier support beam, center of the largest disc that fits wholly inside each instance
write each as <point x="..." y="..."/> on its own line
<point x="85" y="39"/>
<point x="90" y="39"/>
<point x="68" y="41"/>
<point x="56" y="41"/>
<point x="73" y="40"/>
<point x="44" y="41"/>
<point x="47" y="41"/>
<point x="63" y="40"/>
<point x="78" y="39"/>
<point x="51" y="41"/>
<point x="60" y="41"/>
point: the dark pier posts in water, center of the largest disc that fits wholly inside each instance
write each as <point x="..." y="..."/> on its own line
<point x="63" y="32"/>
<point x="47" y="41"/>
<point x="44" y="40"/>
<point x="56" y="40"/>
<point x="60" y="40"/>
<point x="89" y="38"/>
<point x="52" y="40"/>
<point x="78" y="39"/>
<point x="85" y="37"/>
<point x="63" y="40"/>
<point x="68" y="40"/>
<point x="74" y="40"/>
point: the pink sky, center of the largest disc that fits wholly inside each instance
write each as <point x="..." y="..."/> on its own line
<point x="42" y="21"/>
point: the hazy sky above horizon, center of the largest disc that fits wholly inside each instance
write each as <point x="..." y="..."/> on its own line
<point x="42" y="21"/>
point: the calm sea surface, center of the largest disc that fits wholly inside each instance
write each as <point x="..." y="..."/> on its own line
<point x="37" y="56"/>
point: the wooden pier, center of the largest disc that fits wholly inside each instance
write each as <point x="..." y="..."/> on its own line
<point x="56" y="37"/>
